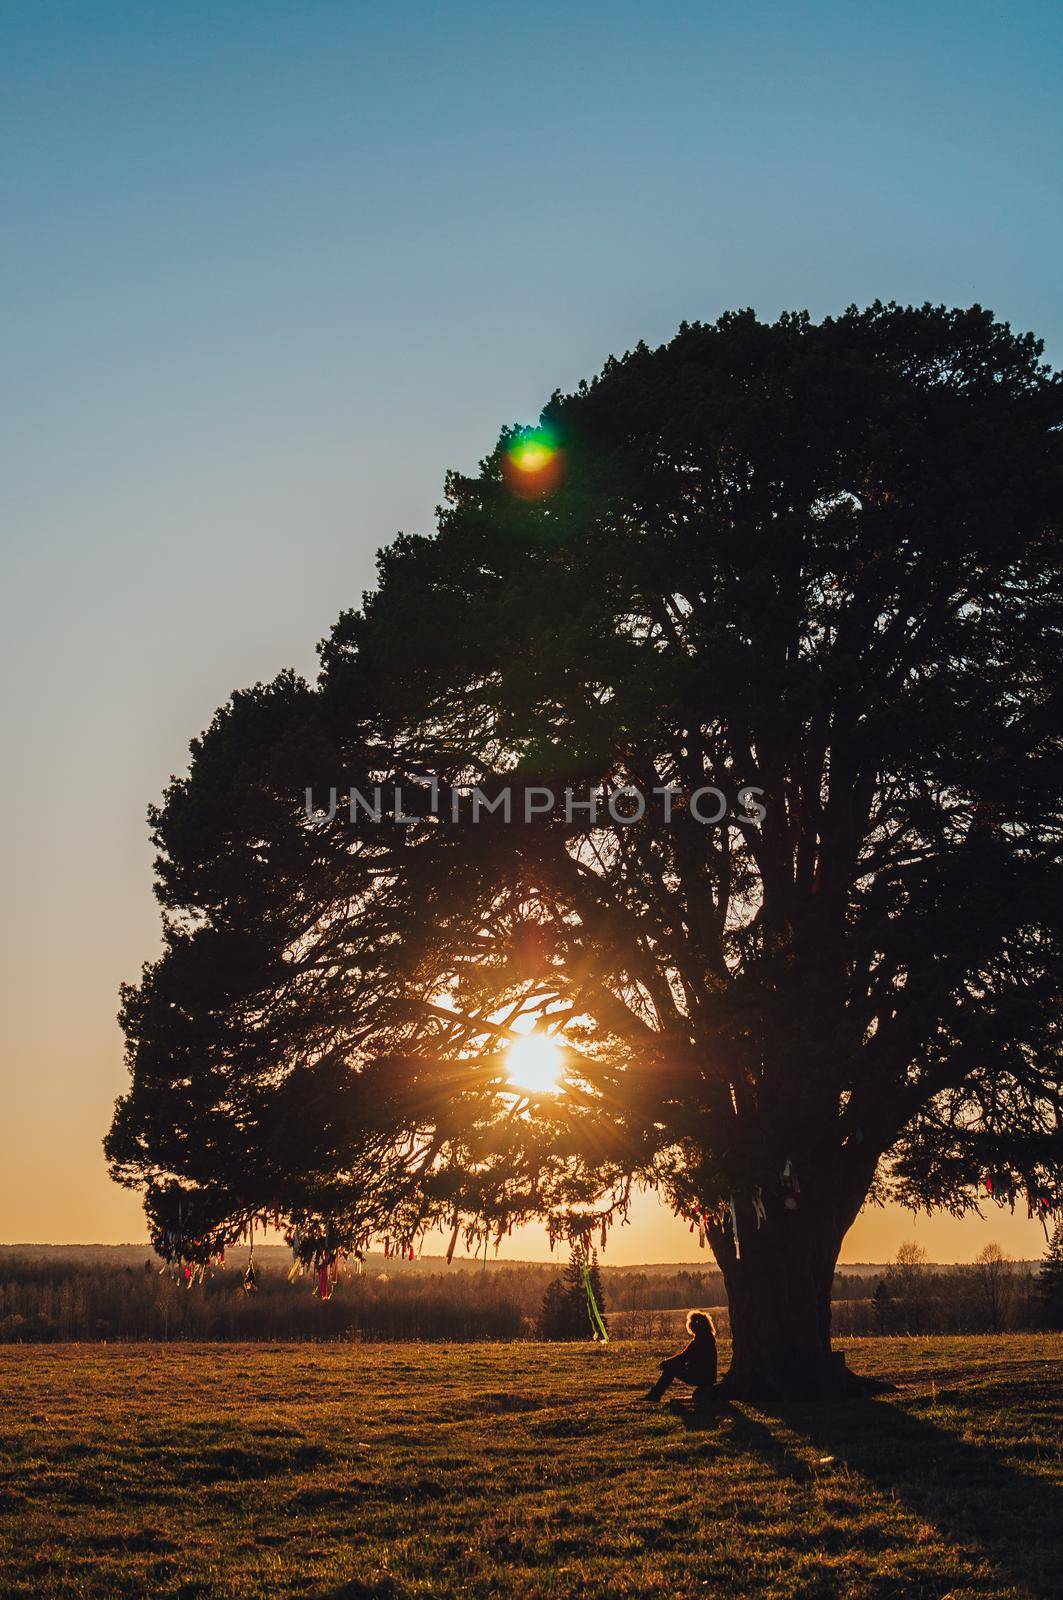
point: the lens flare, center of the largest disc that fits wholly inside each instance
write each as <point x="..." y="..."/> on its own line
<point x="530" y="456"/>
<point x="533" y="1063"/>
<point x="533" y="464"/>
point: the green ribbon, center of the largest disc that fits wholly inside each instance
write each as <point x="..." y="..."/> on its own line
<point x="600" y="1330"/>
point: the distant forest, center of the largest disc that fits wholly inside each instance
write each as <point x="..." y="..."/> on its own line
<point x="125" y="1293"/>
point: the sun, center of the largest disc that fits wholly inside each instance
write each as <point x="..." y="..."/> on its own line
<point x="533" y="1063"/>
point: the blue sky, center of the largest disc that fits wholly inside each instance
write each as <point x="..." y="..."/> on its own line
<point x="268" y="270"/>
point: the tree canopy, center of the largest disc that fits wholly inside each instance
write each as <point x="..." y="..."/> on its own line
<point x="818" y="562"/>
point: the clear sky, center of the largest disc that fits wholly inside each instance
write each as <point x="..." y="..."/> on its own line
<point x="269" y="269"/>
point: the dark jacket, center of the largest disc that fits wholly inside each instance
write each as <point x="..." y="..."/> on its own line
<point x="697" y="1362"/>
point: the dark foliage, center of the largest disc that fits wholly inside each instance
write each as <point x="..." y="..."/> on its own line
<point x="1050" y="1280"/>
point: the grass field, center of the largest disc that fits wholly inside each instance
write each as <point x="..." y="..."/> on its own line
<point x="521" y="1470"/>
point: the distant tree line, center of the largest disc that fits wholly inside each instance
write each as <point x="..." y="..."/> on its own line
<point x="91" y="1298"/>
<point x="41" y="1302"/>
<point x="991" y="1294"/>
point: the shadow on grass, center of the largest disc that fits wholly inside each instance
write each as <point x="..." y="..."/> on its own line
<point x="969" y="1491"/>
<point x="226" y="1463"/>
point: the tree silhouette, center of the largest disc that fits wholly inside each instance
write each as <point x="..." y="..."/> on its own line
<point x="816" y="561"/>
<point x="1050" y="1279"/>
<point x="994" y="1286"/>
<point x="564" y="1313"/>
<point x="908" y="1287"/>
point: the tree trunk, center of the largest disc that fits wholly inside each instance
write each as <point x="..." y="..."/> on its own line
<point x="778" y="1281"/>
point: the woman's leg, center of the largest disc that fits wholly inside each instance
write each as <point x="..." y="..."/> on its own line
<point x="668" y="1375"/>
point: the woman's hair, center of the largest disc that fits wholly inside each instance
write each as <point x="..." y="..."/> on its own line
<point x="698" y="1320"/>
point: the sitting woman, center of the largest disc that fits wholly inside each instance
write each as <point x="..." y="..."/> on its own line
<point x="696" y="1364"/>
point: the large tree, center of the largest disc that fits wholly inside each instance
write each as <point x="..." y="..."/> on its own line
<point x="818" y="561"/>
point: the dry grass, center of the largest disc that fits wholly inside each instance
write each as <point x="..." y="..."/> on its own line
<point x="521" y="1470"/>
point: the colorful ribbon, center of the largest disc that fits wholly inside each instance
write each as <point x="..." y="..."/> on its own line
<point x="600" y="1330"/>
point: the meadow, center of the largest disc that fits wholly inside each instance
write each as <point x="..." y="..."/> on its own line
<point x="348" y="1471"/>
